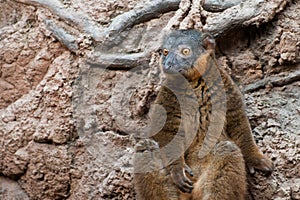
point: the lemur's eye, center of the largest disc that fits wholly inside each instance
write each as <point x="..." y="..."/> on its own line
<point x="185" y="51"/>
<point x="165" y="52"/>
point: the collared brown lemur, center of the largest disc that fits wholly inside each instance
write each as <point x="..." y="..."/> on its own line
<point x="179" y="172"/>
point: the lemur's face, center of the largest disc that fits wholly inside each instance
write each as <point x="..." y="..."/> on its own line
<point x="180" y="50"/>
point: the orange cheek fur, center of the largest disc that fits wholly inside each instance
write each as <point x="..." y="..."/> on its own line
<point x="200" y="67"/>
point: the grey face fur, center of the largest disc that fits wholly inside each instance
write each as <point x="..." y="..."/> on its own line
<point x="180" y="50"/>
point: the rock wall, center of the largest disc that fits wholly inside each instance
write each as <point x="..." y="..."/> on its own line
<point x="67" y="129"/>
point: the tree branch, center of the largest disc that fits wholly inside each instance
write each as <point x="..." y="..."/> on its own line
<point x="183" y="10"/>
<point x="274" y="81"/>
<point x="65" y="38"/>
<point x="77" y="18"/>
<point x="254" y="12"/>
<point x="141" y="13"/>
<point x="193" y="19"/>
<point x="119" y="61"/>
<point x="219" y="5"/>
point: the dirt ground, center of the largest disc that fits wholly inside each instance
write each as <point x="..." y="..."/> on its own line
<point x="67" y="129"/>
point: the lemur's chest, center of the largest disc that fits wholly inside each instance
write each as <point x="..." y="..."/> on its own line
<point x="203" y="95"/>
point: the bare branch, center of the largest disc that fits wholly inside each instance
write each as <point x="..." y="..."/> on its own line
<point x="65" y="38"/>
<point x="183" y="10"/>
<point x="219" y="5"/>
<point x="119" y="61"/>
<point x="245" y="14"/>
<point x="141" y="13"/>
<point x="77" y="18"/>
<point x="274" y="81"/>
<point x="193" y="19"/>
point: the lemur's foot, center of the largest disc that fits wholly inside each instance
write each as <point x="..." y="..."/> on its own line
<point x="262" y="164"/>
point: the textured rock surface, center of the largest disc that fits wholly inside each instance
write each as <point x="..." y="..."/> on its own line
<point x="10" y="189"/>
<point x="67" y="130"/>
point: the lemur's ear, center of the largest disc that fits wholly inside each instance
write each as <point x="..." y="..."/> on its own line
<point x="208" y="41"/>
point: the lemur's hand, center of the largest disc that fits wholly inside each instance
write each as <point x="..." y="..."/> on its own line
<point x="179" y="175"/>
